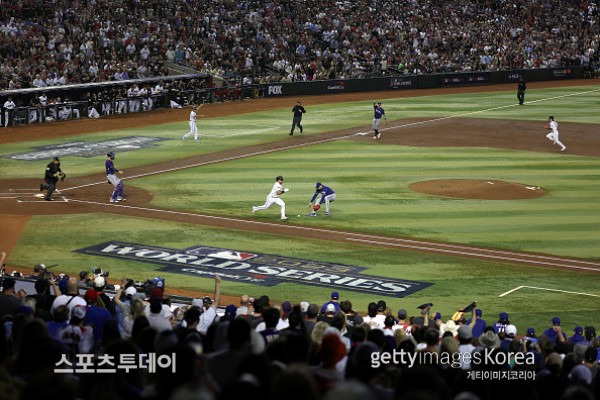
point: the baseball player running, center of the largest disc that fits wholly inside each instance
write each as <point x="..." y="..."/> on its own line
<point x="327" y="196"/>
<point x="553" y="135"/>
<point x="298" y="110"/>
<point x="112" y="178"/>
<point x="379" y="112"/>
<point x="52" y="175"/>
<point x="273" y="197"/>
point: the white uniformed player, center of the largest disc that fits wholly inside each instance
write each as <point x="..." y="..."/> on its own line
<point x="553" y="135"/>
<point x="273" y="197"/>
<point x="9" y="106"/>
<point x="193" y="126"/>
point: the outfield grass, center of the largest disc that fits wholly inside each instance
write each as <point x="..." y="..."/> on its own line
<point x="224" y="133"/>
<point x="372" y="186"/>
<point x="457" y="282"/>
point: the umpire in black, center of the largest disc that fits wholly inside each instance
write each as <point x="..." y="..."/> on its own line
<point x="298" y="110"/>
<point x="52" y="175"/>
<point x="521" y="91"/>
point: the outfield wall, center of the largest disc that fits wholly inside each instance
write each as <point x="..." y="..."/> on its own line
<point x="419" y="81"/>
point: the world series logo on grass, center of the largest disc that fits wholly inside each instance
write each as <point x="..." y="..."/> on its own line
<point x="255" y="268"/>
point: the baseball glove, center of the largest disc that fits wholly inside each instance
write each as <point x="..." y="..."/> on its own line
<point x="316" y="207"/>
<point x="62" y="176"/>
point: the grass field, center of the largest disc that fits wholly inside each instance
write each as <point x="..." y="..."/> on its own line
<point x="371" y="182"/>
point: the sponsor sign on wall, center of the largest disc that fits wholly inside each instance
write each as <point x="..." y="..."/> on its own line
<point x="255" y="268"/>
<point x="86" y="149"/>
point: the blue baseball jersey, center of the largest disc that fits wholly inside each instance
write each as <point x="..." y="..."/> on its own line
<point x="379" y="112"/>
<point x="110" y="167"/>
<point x="325" y="191"/>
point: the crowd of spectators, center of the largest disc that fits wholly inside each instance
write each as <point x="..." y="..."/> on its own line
<point x="59" y="42"/>
<point x="260" y="350"/>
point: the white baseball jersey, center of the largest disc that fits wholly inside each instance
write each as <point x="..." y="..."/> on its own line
<point x="193" y="116"/>
<point x="276" y="188"/>
<point x="9" y="105"/>
<point x="554" y="126"/>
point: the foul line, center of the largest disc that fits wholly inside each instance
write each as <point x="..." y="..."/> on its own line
<point x="351" y="236"/>
<point x="551" y="290"/>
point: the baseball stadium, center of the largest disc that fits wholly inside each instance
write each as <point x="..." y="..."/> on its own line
<point x="426" y="196"/>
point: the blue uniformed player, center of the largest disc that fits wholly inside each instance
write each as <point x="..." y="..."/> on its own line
<point x="327" y="196"/>
<point x="379" y="113"/>
<point x="112" y="178"/>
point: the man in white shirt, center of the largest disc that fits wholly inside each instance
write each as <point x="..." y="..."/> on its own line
<point x="273" y="197"/>
<point x="209" y="309"/>
<point x="156" y="320"/>
<point x="71" y="299"/>
<point x="9" y="107"/>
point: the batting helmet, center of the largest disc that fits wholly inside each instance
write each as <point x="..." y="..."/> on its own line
<point x="111" y="155"/>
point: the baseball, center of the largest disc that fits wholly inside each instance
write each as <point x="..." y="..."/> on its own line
<point x="298" y="215"/>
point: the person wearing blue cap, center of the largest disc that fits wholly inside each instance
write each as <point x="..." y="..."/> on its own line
<point x="502" y="323"/>
<point x="578" y="337"/>
<point x="327" y="196"/>
<point x="335" y="297"/>
<point x="479" y="325"/>
<point x="555" y="333"/>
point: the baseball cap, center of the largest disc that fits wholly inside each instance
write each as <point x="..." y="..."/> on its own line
<point x="279" y="178"/>
<point x="478" y="312"/>
<point x="206" y="300"/>
<point x="230" y="310"/>
<point x="335" y="295"/>
<point x="330" y="308"/>
<point x="197" y="303"/>
<point x="510" y="330"/>
<point x="402" y="313"/>
<point x="503" y="316"/>
<point x="578" y="330"/>
<point x="91" y="296"/>
<point x="530" y="332"/>
<point x="9" y="283"/>
<point x="590" y="330"/>
<point x="555" y="321"/>
<point x="317" y="185"/>
<point x="286" y="306"/>
<point x="381" y="305"/>
<point x="437" y="316"/>
<point x="130" y="291"/>
<point x="424" y="306"/>
<point x="78" y="312"/>
<point x="304" y="306"/>
<point x="56" y="159"/>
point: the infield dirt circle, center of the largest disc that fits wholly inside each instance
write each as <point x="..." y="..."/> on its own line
<point x="478" y="189"/>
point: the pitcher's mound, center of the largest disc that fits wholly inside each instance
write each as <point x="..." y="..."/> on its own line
<point x="475" y="189"/>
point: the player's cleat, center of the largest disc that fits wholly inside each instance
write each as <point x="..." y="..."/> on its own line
<point x="291" y="133"/>
<point x="253" y="209"/>
<point x="183" y="138"/>
<point x="379" y="136"/>
<point x="563" y="149"/>
<point x="113" y="200"/>
<point x="327" y="213"/>
<point x="301" y="130"/>
<point x="41" y="187"/>
<point x="121" y="199"/>
<point x="312" y="214"/>
<point x="284" y="218"/>
<point x="48" y="199"/>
